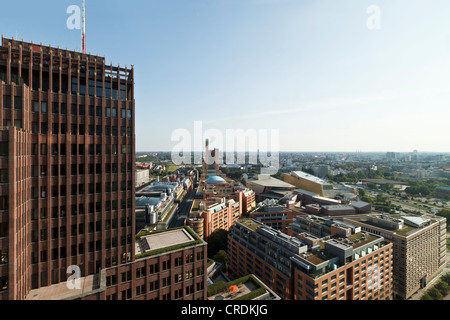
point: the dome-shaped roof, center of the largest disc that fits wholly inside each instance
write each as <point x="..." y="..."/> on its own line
<point x="215" y="180"/>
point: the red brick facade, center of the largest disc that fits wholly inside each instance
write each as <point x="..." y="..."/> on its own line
<point x="68" y="122"/>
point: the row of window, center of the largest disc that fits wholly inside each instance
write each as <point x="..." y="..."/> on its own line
<point x="78" y="149"/>
<point x="75" y="110"/>
<point x="153" y="286"/>
<point x="95" y="88"/>
<point x="76" y="209"/>
<point x="61" y="233"/>
<point x="61" y="252"/>
<point x="77" y="129"/>
<point x="61" y="108"/>
<point x="59" y="275"/>
<point x="75" y="169"/>
<point x="76" y="190"/>
<point x="7" y="102"/>
<point x="166" y="281"/>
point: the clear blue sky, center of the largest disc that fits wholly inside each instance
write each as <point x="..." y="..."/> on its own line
<point x="308" y="68"/>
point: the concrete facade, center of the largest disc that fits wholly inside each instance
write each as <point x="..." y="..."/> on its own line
<point x="419" y="249"/>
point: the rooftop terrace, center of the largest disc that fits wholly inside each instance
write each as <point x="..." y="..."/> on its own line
<point x="410" y="226"/>
<point x="157" y="242"/>
<point x="250" y="223"/>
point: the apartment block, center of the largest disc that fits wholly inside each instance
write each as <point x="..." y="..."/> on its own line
<point x="275" y="215"/>
<point x="341" y="266"/>
<point x="206" y="216"/>
<point x="419" y="246"/>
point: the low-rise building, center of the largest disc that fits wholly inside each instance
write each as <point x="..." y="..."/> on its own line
<point x="169" y="265"/>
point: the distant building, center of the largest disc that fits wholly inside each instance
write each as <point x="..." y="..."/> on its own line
<point x="305" y="196"/>
<point x="267" y="187"/>
<point x="337" y="210"/>
<point x="391" y="155"/>
<point x="321" y="171"/>
<point x="142" y="177"/>
<point x="210" y="162"/>
<point x="362" y="207"/>
<point x="443" y="191"/>
<point x="394" y="183"/>
<point x="306" y="181"/>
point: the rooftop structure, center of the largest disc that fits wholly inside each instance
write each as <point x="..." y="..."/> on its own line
<point x="86" y="286"/>
<point x="215" y="180"/>
<point x="307" y="176"/>
<point x="155" y="241"/>
<point x="268" y="187"/>
<point x="306" y="181"/>
<point x="248" y="287"/>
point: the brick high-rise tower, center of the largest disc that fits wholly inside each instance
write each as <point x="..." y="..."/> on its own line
<point x="67" y="154"/>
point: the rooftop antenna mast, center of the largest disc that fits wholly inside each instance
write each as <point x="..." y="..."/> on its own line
<point x="83" y="28"/>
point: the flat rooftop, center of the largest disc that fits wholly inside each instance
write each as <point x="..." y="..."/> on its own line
<point x="407" y="229"/>
<point x="61" y="291"/>
<point x="250" y="223"/>
<point x="162" y="240"/>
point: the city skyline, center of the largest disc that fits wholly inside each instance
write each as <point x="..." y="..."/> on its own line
<point x="312" y="70"/>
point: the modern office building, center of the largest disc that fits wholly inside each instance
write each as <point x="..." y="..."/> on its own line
<point x="67" y="164"/>
<point x="342" y="266"/>
<point x="419" y="246"/>
<point x="67" y="157"/>
<point x="267" y="187"/>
